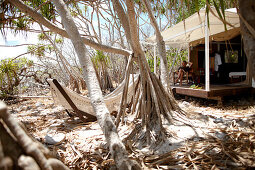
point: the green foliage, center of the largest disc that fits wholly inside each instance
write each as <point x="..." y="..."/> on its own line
<point x="100" y="59"/>
<point x="189" y="8"/>
<point x="21" y="23"/>
<point x="182" y="9"/>
<point x="76" y="9"/>
<point x="11" y="72"/>
<point x="59" y="40"/>
<point x="46" y="8"/>
<point x="40" y="49"/>
<point x="10" y="16"/>
<point x="181" y="56"/>
<point x="171" y="54"/>
<point x="43" y="37"/>
<point x="37" y="50"/>
<point x="150" y="60"/>
<point x="6" y="8"/>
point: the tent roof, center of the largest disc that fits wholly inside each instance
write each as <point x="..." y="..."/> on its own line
<point x="190" y="32"/>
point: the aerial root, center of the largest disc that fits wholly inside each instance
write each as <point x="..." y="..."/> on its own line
<point x="151" y="103"/>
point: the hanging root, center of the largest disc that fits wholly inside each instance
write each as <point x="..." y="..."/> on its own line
<point x="13" y="136"/>
<point x="123" y="103"/>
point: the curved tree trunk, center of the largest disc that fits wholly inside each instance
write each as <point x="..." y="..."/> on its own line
<point x="123" y="17"/>
<point x="247" y="24"/>
<point x="161" y="47"/>
<point x="117" y="148"/>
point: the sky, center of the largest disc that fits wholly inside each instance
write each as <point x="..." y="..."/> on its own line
<point x="15" y="39"/>
<point x="31" y="38"/>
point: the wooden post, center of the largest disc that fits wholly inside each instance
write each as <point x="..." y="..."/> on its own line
<point x="207" y="65"/>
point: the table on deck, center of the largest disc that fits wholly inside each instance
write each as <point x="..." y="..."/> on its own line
<point x="236" y="75"/>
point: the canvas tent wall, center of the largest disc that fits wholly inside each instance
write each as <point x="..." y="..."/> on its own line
<point x="191" y="31"/>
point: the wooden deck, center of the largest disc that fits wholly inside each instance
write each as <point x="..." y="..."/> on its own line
<point x="217" y="92"/>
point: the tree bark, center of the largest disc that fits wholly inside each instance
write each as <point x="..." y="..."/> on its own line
<point x="117" y="148"/>
<point x="150" y="104"/>
<point x="247" y="12"/>
<point x="11" y="148"/>
<point x="123" y="17"/>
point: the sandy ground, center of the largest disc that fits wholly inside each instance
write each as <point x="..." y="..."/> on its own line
<point x="84" y="147"/>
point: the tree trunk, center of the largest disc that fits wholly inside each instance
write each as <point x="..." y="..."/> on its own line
<point x="117" y="148"/>
<point x="161" y="47"/>
<point x="154" y="101"/>
<point x="247" y="23"/>
<point x="123" y="17"/>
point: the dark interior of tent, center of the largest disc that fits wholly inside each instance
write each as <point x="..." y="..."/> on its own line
<point x="232" y="66"/>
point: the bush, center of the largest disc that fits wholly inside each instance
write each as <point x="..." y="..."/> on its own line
<point x="11" y="74"/>
<point x="173" y="60"/>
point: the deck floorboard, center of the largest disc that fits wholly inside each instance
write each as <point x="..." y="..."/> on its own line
<point x="216" y="91"/>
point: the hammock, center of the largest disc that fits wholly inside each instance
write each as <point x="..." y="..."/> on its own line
<point x="71" y="100"/>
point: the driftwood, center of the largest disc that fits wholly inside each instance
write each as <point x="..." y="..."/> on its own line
<point x="20" y="150"/>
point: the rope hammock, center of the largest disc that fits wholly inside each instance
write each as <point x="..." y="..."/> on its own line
<point x="83" y="104"/>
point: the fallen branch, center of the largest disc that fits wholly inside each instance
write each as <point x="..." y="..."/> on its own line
<point x="28" y="97"/>
<point x="24" y="143"/>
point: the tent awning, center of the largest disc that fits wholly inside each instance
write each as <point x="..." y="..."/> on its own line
<point x="190" y="32"/>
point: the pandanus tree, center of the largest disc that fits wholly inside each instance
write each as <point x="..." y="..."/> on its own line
<point x="153" y="102"/>
<point x="100" y="61"/>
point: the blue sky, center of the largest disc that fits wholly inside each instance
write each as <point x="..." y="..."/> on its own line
<point x="12" y="42"/>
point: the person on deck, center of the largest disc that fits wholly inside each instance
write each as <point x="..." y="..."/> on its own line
<point x="186" y="67"/>
<point x="217" y="65"/>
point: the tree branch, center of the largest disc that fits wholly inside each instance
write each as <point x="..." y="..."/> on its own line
<point x="39" y="18"/>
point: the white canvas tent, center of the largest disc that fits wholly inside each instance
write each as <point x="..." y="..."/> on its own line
<point x="191" y="31"/>
<point x="195" y="30"/>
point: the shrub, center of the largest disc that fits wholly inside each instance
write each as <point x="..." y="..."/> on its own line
<point x="11" y="73"/>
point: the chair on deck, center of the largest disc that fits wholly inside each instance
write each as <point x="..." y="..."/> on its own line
<point x="187" y="75"/>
